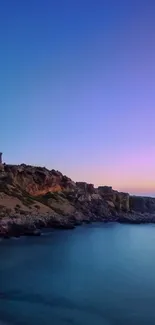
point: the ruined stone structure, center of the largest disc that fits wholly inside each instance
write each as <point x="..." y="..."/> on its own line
<point x="1" y="158"/>
<point x="1" y="164"/>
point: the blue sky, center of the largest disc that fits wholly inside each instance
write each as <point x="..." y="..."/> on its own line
<point x="77" y="89"/>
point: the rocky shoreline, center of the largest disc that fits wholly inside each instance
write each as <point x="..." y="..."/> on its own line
<point x="34" y="198"/>
<point x="16" y="227"/>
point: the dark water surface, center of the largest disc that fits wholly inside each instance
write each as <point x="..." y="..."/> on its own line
<point x="95" y="275"/>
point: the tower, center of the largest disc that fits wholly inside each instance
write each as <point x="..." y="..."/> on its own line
<point x="0" y="158"/>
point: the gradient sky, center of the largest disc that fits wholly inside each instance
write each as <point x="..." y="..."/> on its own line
<point x="77" y="89"/>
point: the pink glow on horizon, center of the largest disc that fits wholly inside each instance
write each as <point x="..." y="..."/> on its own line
<point x="131" y="171"/>
<point x="134" y="172"/>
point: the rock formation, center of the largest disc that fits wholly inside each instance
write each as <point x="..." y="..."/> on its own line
<point x="34" y="197"/>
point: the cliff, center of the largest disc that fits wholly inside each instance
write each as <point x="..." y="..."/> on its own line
<point x="35" y="197"/>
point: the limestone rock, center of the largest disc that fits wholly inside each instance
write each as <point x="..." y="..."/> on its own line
<point x="33" y="198"/>
<point x="142" y="204"/>
<point x="120" y="200"/>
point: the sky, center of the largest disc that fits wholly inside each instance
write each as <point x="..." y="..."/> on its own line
<point x="77" y="89"/>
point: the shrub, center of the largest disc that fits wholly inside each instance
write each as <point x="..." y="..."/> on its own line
<point x="37" y="206"/>
<point x="18" y="206"/>
<point x="2" y="207"/>
<point x="8" y="211"/>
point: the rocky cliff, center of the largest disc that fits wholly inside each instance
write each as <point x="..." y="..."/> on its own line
<point x="35" y="197"/>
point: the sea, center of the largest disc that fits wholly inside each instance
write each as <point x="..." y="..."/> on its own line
<point x="99" y="274"/>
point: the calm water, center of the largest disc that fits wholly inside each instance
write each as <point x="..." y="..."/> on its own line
<point x="95" y="275"/>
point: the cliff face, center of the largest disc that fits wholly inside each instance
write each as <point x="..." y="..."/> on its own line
<point x="36" y="180"/>
<point x="142" y="204"/>
<point x="119" y="200"/>
<point x="47" y="197"/>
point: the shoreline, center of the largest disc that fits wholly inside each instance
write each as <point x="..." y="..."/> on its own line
<point x="17" y="228"/>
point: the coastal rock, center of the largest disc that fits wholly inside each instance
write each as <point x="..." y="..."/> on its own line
<point x="136" y="218"/>
<point x="36" y="180"/>
<point x="119" y="200"/>
<point x="142" y="204"/>
<point x="32" y="198"/>
<point x="87" y="188"/>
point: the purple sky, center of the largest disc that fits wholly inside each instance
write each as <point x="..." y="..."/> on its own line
<point x="77" y="89"/>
